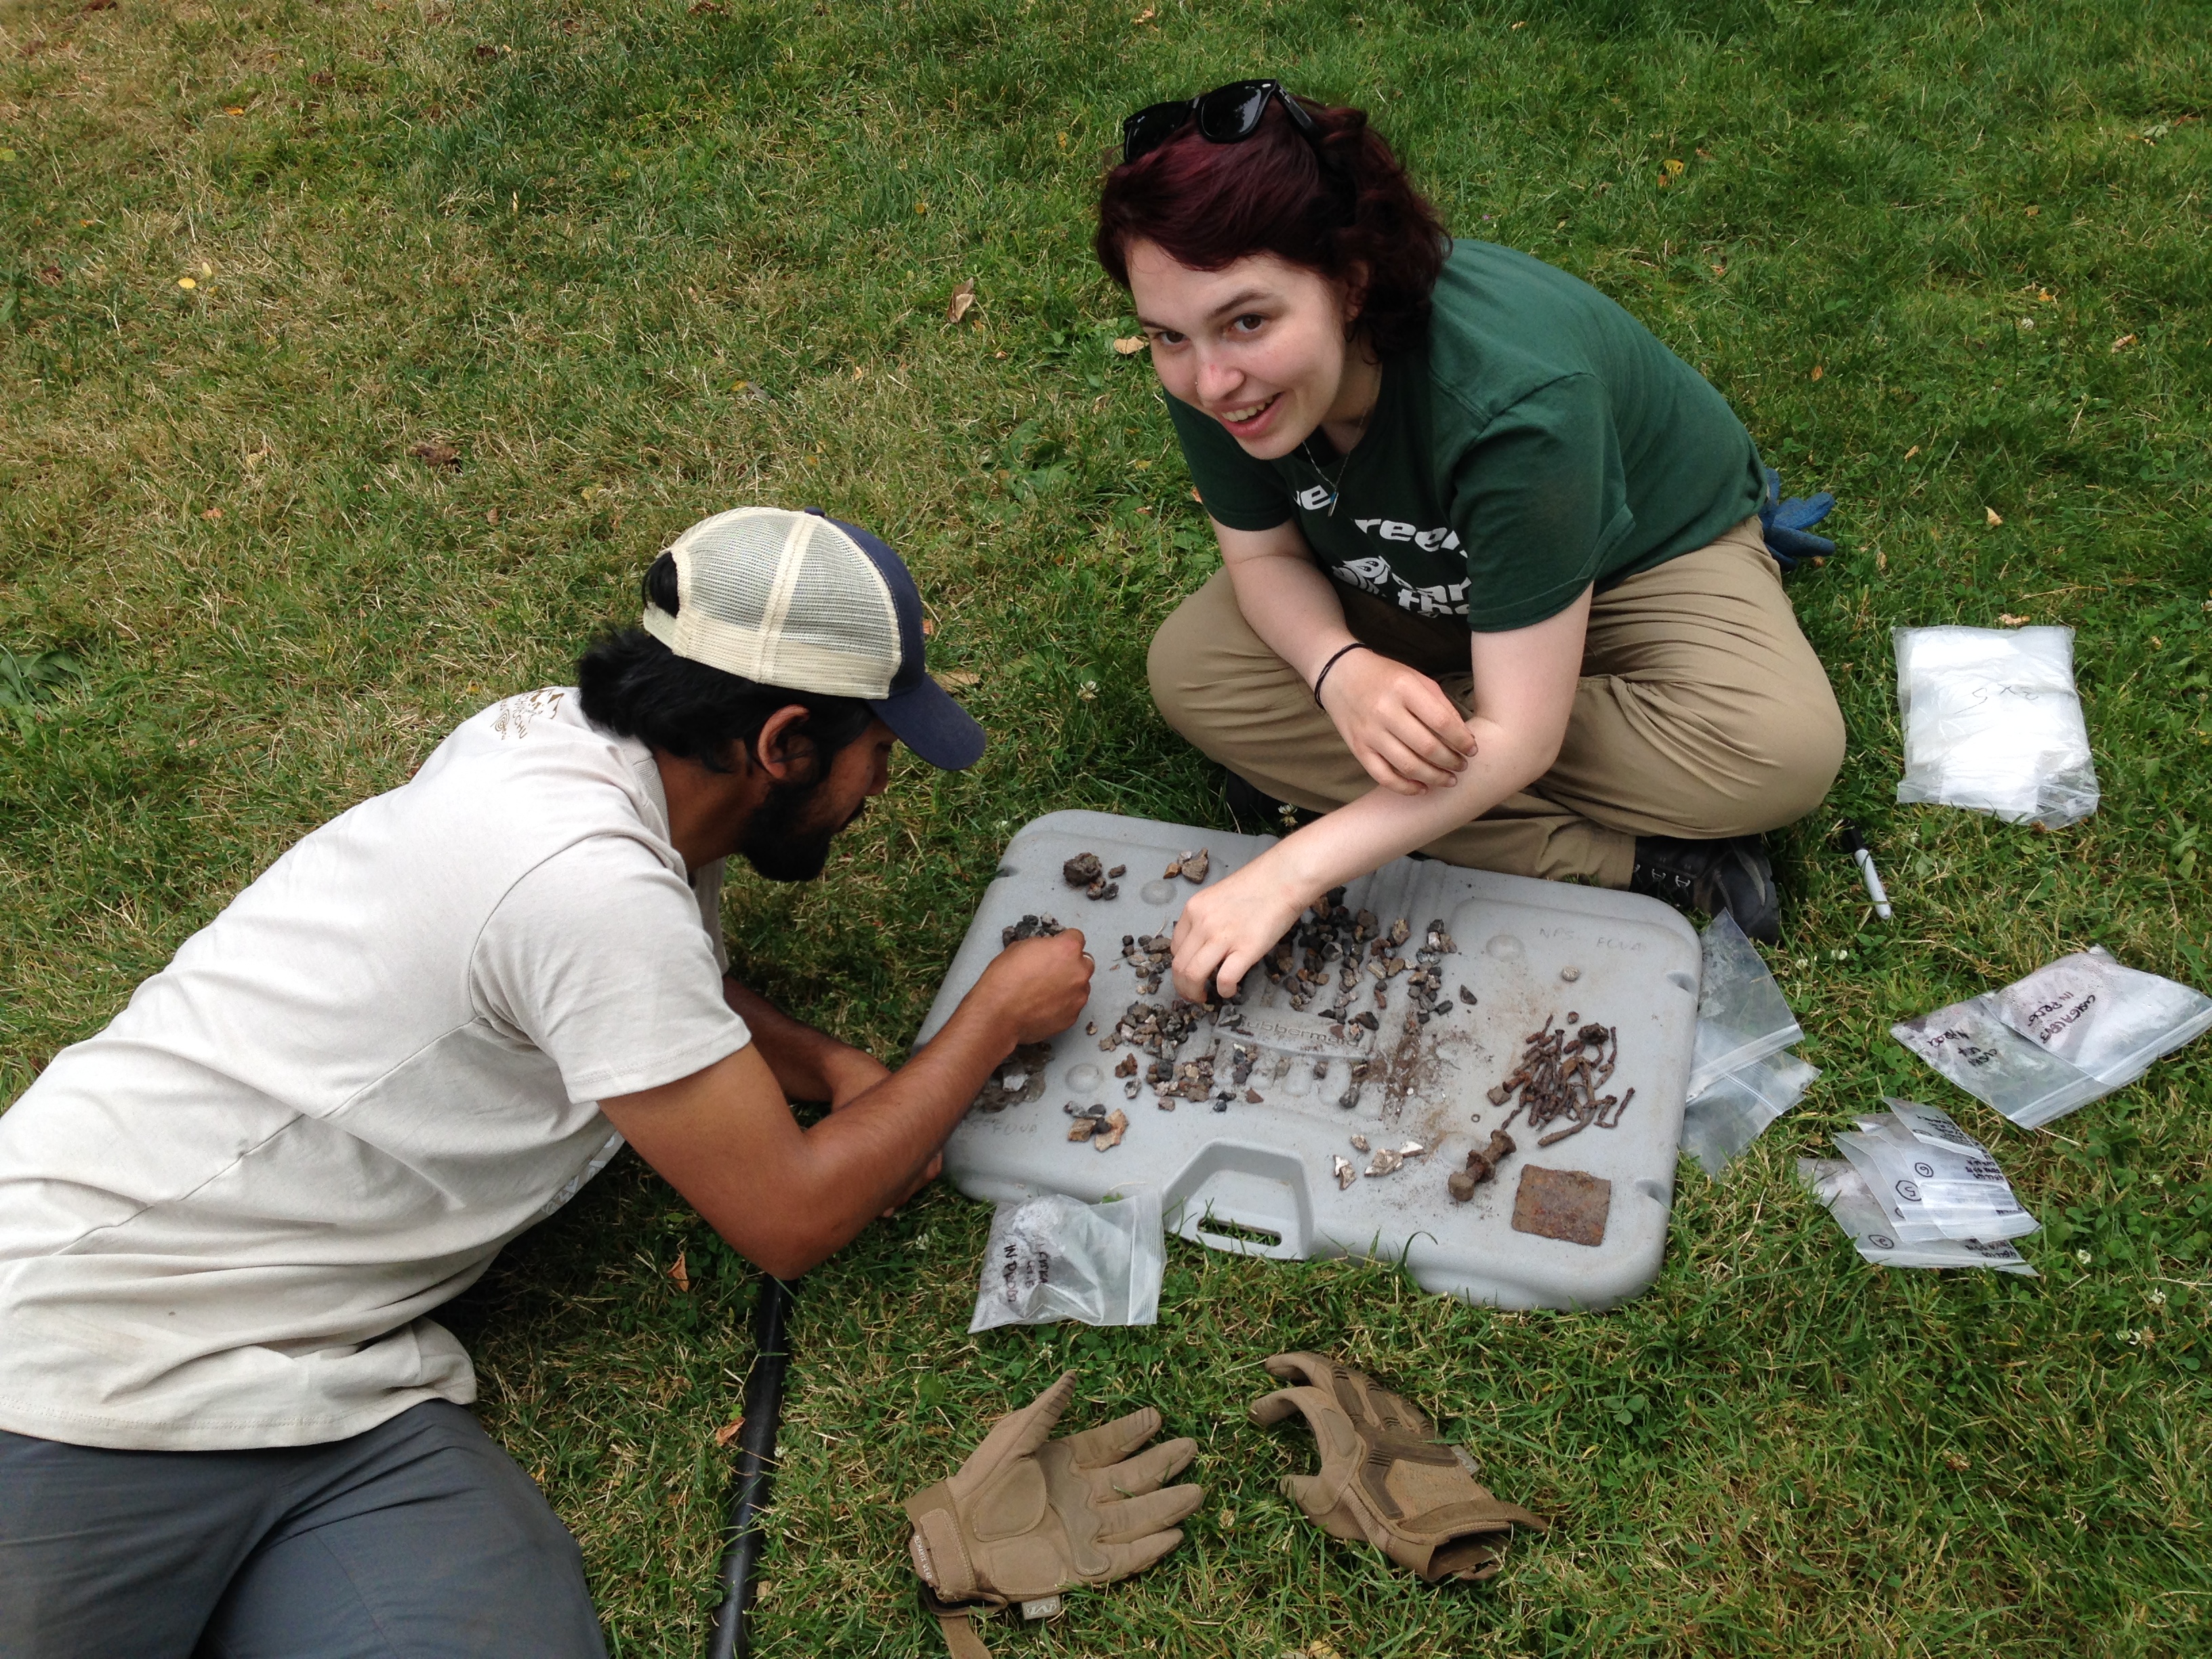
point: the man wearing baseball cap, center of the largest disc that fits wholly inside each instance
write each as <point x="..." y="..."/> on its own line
<point x="227" y="1424"/>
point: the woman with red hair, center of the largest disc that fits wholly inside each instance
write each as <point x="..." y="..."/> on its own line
<point x="1494" y="585"/>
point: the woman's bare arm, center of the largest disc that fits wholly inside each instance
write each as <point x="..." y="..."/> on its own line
<point x="1524" y="692"/>
<point x="1396" y="720"/>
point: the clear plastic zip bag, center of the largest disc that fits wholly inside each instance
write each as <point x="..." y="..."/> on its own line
<point x="1993" y="723"/>
<point x="1837" y="1185"/>
<point x="1052" y="1258"/>
<point x="1741" y="1016"/>
<point x="1932" y="1179"/>
<point x="1735" y="1111"/>
<point x="2068" y="1034"/>
<point x="2102" y="1017"/>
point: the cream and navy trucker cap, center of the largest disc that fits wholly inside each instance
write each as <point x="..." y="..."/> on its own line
<point x="811" y="604"/>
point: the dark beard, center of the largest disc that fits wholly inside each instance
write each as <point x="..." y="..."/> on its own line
<point x="784" y="842"/>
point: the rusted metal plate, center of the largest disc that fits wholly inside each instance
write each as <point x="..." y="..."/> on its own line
<point x="1563" y="1204"/>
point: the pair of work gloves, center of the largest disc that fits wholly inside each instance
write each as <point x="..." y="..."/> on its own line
<point x="1028" y="1517"/>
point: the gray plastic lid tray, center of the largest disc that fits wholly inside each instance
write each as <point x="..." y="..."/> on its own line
<point x="1529" y="950"/>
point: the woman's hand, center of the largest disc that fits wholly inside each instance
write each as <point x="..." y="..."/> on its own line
<point x="1397" y="722"/>
<point x="1226" y="929"/>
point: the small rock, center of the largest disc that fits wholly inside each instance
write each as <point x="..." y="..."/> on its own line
<point x="1346" y="1173"/>
<point x="1083" y="870"/>
<point x="1359" y="1144"/>
<point x="1196" y="865"/>
<point x="1570" y="975"/>
<point x="1466" y="996"/>
<point x="1117" y="1125"/>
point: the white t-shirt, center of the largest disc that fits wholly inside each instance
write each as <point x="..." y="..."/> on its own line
<point x="223" y="1220"/>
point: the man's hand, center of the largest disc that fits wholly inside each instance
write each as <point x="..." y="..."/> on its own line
<point x="787" y="1198"/>
<point x="1038" y="985"/>
<point x="1397" y="722"/>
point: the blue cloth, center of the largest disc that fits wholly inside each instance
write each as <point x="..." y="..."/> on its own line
<point x="1784" y="523"/>
<point x="419" y="1538"/>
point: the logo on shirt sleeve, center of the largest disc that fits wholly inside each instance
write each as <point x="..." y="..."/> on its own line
<point x="516" y="714"/>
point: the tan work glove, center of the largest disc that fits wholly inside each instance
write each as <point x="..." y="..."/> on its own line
<point x="1385" y="1475"/>
<point x="1026" y="1518"/>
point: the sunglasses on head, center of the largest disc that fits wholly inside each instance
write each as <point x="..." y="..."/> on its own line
<point x="1227" y="115"/>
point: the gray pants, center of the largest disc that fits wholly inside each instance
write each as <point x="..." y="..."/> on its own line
<point x="418" y="1538"/>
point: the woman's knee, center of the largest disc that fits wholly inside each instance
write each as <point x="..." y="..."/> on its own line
<point x="1206" y="663"/>
<point x="1168" y="664"/>
<point x="1805" y="754"/>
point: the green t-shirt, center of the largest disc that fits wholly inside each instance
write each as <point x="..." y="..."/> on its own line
<point x="1541" y="439"/>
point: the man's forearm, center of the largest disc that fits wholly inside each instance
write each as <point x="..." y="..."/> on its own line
<point x="806" y="1060"/>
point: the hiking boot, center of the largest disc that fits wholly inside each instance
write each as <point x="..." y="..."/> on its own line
<point x="1712" y="876"/>
<point x="1255" y="810"/>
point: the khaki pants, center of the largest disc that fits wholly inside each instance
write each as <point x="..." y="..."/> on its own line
<point x="1702" y="713"/>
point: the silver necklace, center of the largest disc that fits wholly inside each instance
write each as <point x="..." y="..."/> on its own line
<point x="1333" y="485"/>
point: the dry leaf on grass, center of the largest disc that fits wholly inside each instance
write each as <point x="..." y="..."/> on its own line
<point x="1130" y="344"/>
<point x="963" y="298"/>
<point x="729" y="1431"/>
<point x="2010" y="620"/>
<point x="433" y="453"/>
<point x="679" y="1275"/>
<point x="957" y="679"/>
<point x="1994" y="519"/>
<point x="2123" y="342"/>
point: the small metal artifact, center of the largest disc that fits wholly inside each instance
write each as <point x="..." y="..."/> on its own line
<point x="1481" y="1165"/>
<point x="1559" y="1077"/>
<point x="1563" y="1204"/>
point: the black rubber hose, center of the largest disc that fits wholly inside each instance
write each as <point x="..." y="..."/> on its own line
<point x="756" y="1469"/>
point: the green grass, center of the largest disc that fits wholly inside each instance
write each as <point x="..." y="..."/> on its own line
<point x="559" y="236"/>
